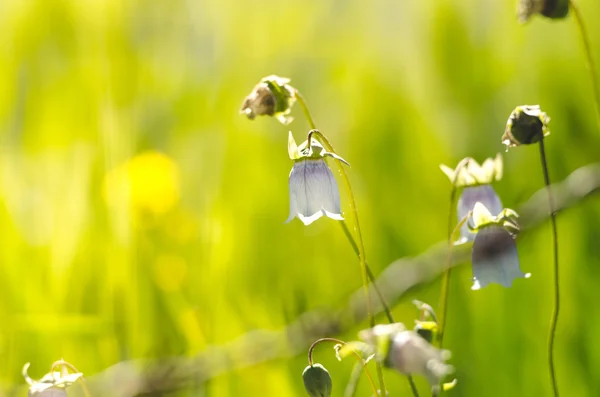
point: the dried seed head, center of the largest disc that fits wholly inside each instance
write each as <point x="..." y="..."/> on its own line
<point x="554" y="9"/>
<point x="527" y="124"/>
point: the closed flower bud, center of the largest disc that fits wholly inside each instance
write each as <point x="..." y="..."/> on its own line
<point x="526" y="125"/>
<point x="494" y="254"/>
<point x="555" y="9"/>
<point x="273" y="96"/>
<point x="317" y="381"/>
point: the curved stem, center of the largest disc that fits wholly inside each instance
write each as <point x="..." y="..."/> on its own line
<point x="359" y="358"/>
<point x="589" y="58"/>
<point x="554" y="318"/>
<point x="307" y="114"/>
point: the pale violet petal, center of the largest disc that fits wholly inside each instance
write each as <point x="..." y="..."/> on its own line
<point x="297" y="190"/>
<point x="484" y="194"/>
<point x="494" y="258"/>
<point x="331" y="204"/>
<point x="317" y="186"/>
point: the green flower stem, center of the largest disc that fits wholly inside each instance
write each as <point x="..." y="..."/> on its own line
<point x="451" y="232"/>
<point x="350" y="390"/>
<point x="341" y="342"/>
<point x="446" y="277"/>
<point x="589" y="58"/>
<point x="385" y="305"/>
<point x="554" y="318"/>
<point x="300" y="99"/>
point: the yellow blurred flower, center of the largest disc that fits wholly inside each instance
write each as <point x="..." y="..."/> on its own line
<point x="149" y="183"/>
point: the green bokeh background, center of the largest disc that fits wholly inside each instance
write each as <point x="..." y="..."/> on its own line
<point x="398" y="87"/>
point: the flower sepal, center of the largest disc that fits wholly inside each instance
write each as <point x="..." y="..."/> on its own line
<point x="482" y="217"/>
<point x="468" y="172"/>
<point x="315" y="151"/>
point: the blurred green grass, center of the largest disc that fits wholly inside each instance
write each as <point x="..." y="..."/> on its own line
<point x="398" y="87"/>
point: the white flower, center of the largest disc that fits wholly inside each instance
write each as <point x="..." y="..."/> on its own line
<point x="313" y="191"/>
<point x="484" y="194"/>
<point x="411" y="354"/>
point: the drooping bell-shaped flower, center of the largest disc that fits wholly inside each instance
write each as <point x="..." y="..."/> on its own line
<point x="494" y="254"/>
<point x="272" y="96"/>
<point x="475" y="180"/>
<point x="408" y="353"/>
<point x="313" y="189"/>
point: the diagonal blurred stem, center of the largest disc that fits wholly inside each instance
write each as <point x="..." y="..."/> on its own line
<point x="341" y="342"/>
<point x="554" y="318"/>
<point x="350" y="390"/>
<point x="591" y="65"/>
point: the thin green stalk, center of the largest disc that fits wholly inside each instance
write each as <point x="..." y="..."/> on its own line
<point x="446" y="277"/>
<point x="350" y="390"/>
<point x="386" y="307"/>
<point x="589" y="58"/>
<point x="447" y="269"/>
<point x="359" y="358"/>
<point x="554" y="318"/>
<point x="302" y="103"/>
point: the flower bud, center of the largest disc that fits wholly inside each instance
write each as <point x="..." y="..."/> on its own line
<point x="554" y="9"/>
<point x="273" y="96"/>
<point x="526" y="125"/>
<point x="317" y="381"/>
